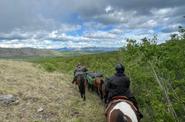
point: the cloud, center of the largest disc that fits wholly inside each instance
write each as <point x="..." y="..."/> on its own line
<point x="101" y="35"/>
<point x="170" y="28"/>
<point x="59" y="23"/>
<point x="108" y="9"/>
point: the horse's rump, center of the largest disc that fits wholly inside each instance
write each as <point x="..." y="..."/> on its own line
<point x="81" y="82"/>
<point x="98" y="82"/>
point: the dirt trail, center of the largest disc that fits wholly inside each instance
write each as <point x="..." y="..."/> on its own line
<point x="44" y="96"/>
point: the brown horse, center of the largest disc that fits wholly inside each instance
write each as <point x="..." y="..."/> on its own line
<point x="98" y="86"/>
<point x="120" y="109"/>
<point x="104" y="90"/>
<point x="81" y="82"/>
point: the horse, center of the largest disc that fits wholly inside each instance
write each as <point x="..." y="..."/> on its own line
<point x="120" y="109"/>
<point x="81" y="82"/>
<point x="98" y="86"/>
<point x="105" y="90"/>
<point x="95" y="81"/>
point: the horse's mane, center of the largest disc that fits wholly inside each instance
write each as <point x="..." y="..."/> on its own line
<point x="120" y="116"/>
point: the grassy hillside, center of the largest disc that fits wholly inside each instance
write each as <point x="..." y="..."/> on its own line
<point x="157" y="73"/>
<point x="43" y="96"/>
<point x="27" y="52"/>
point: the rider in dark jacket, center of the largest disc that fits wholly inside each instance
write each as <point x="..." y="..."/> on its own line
<point x="119" y="85"/>
<point x="79" y="70"/>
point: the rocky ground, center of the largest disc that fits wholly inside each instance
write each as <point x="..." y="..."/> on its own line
<point x="38" y="96"/>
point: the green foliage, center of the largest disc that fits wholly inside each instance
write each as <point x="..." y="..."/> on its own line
<point x="157" y="73"/>
<point x="50" y="67"/>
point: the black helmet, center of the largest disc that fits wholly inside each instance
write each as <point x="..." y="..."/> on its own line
<point x="120" y="67"/>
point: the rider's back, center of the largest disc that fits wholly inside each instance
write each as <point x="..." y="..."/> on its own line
<point x="119" y="86"/>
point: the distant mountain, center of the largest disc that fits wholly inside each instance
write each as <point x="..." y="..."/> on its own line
<point x="89" y="49"/>
<point x="24" y="52"/>
<point x="31" y="52"/>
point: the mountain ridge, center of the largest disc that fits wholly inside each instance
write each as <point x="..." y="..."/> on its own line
<point x="88" y="49"/>
<point x="24" y="52"/>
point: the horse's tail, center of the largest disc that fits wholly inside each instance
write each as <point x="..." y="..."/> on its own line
<point x="101" y="82"/>
<point x="101" y="85"/>
<point x="82" y="84"/>
<point x="104" y="91"/>
<point x="101" y="88"/>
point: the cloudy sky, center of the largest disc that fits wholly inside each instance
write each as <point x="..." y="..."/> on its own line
<point x="86" y="23"/>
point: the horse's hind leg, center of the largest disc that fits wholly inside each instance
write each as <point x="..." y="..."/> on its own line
<point x="101" y="94"/>
<point x="92" y="88"/>
<point x="84" y="98"/>
<point x="79" y="89"/>
<point x="89" y="87"/>
<point x="83" y="93"/>
<point x="96" y="90"/>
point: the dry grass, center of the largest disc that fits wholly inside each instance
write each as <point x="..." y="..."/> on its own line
<point x="52" y="92"/>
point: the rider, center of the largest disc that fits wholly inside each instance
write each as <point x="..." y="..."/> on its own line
<point x="78" y="66"/>
<point x="79" y="70"/>
<point x="118" y="85"/>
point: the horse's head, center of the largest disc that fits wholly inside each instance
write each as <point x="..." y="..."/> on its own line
<point x="121" y="110"/>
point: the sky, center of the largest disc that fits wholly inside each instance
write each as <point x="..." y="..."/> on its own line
<point x="86" y="23"/>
